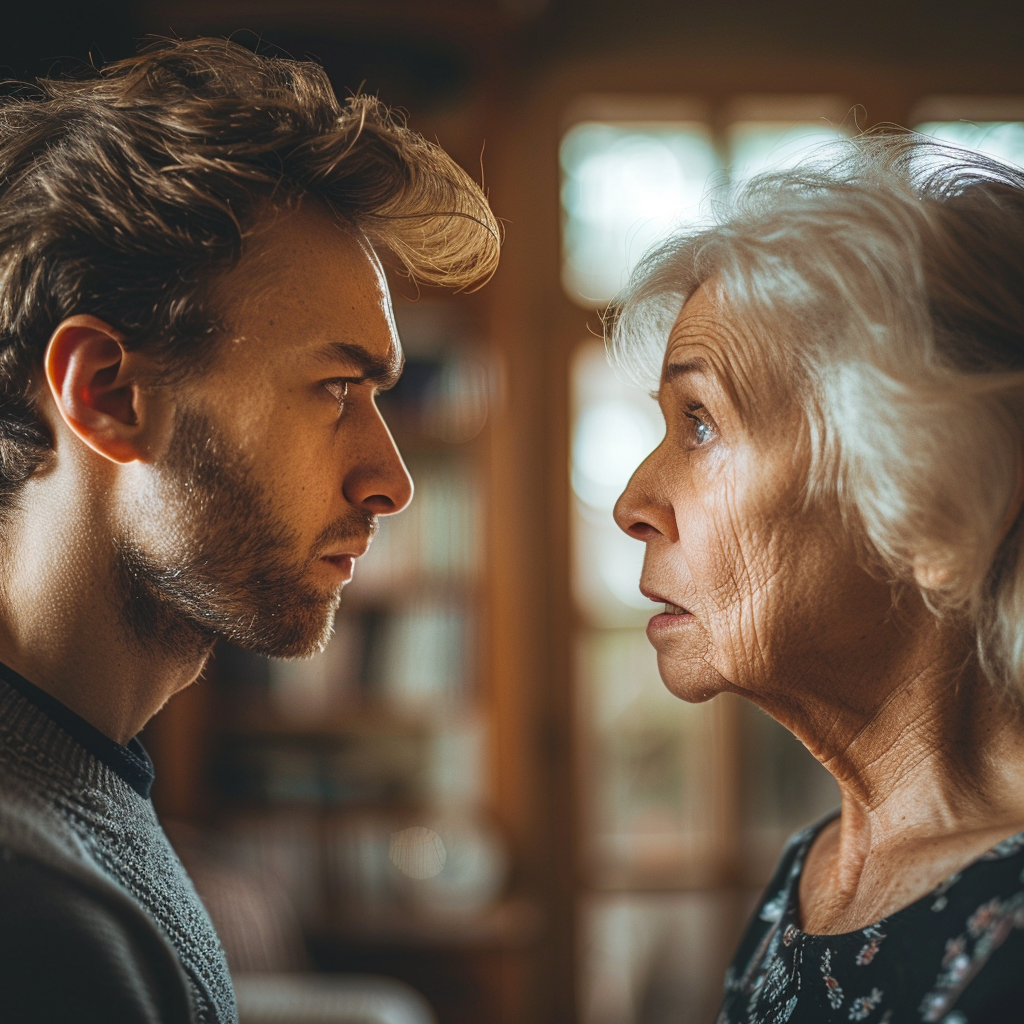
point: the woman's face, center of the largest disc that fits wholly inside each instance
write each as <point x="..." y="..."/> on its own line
<point x="766" y="594"/>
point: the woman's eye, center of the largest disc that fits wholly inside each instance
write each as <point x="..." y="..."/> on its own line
<point x="703" y="432"/>
<point x="339" y="390"/>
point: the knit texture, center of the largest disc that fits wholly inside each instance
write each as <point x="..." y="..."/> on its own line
<point x="42" y="765"/>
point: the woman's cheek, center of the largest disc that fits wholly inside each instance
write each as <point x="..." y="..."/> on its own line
<point x="741" y="573"/>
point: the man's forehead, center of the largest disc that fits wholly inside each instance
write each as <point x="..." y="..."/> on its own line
<point x="307" y="252"/>
<point x="380" y="356"/>
<point x="314" y="282"/>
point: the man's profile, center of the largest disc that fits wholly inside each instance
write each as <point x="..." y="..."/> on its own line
<point x="194" y="325"/>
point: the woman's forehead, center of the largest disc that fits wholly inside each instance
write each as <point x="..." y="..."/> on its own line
<point x="702" y="323"/>
<point x="708" y="338"/>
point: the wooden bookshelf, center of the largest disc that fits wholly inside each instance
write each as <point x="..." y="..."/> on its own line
<point x="308" y="768"/>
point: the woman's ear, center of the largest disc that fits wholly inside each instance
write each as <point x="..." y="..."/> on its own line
<point x="933" y="570"/>
<point x="95" y="384"/>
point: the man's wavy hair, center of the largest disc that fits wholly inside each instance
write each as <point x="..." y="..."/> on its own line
<point x="125" y="194"/>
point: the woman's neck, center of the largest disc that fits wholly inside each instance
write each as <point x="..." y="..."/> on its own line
<point x="929" y="758"/>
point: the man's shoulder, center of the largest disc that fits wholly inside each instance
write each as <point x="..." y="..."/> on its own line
<point x="74" y="945"/>
<point x="32" y="826"/>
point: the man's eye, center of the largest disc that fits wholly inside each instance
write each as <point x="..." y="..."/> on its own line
<point x="339" y="390"/>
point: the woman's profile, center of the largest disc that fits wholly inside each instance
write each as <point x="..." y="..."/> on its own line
<point x="833" y="525"/>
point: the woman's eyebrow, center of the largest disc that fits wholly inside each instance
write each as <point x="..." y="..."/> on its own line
<point x="382" y="373"/>
<point x="681" y="369"/>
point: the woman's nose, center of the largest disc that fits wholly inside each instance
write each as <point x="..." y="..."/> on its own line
<point x="638" y="512"/>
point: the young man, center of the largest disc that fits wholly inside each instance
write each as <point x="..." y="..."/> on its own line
<point x="194" y="325"/>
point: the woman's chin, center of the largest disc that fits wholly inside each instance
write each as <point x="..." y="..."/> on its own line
<point x="690" y="679"/>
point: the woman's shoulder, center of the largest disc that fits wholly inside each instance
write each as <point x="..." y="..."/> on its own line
<point x="952" y="956"/>
<point x="978" y="916"/>
<point x="777" y="904"/>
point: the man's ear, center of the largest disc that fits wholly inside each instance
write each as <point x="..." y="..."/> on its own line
<point x="95" y="385"/>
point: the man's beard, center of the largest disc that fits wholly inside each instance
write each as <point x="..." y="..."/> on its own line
<point x="234" y="571"/>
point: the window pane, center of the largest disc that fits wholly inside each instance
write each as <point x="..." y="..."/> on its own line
<point x="622" y="188"/>
<point x="614" y="428"/>
<point x="783" y="786"/>
<point x="1003" y="140"/>
<point x="648" y="764"/>
<point x="756" y="146"/>
<point x="649" y="787"/>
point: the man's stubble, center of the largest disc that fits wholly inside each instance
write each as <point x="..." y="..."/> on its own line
<point x="236" y="571"/>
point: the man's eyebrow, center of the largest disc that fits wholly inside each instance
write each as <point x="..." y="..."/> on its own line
<point x="382" y="373"/>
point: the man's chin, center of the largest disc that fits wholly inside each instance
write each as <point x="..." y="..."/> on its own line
<point x="300" y="634"/>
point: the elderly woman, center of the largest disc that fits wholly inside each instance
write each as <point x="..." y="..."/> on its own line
<point x="833" y="524"/>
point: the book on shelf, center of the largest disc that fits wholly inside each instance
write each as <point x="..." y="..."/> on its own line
<point x="419" y="661"/>
<point x="435" y="542"/>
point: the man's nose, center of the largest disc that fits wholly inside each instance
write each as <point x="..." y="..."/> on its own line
<point x="380" y="483"/>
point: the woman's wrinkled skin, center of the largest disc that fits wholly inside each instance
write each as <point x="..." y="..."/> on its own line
<point x="778" y="607"/>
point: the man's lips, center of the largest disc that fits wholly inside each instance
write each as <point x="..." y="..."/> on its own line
<point x="344" y="564"/>
<point x="348" y="553"/>
<point x="344" y="560"/>
<point x="348" y="548"/>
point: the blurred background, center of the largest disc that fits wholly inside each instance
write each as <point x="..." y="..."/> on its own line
<point x="481" y="788"/>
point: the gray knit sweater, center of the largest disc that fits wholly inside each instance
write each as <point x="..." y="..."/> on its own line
<point x="75" y="816"/>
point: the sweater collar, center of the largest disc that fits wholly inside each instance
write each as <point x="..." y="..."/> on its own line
<point x="130" y="762"/>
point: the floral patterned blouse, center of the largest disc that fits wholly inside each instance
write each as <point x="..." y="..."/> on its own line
<point x="955" y="956"/>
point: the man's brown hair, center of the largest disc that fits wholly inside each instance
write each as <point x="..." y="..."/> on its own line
<point x="124" y="195"/>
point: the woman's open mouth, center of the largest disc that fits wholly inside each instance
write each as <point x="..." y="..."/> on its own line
<point x="673" y="617"/>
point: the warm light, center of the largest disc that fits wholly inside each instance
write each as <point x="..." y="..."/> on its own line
<point x="417" y="852"/>
<point x="756" y="146"/>
<point x="612" y="438"/>
<point x="624" y="188"/>
<point x="1003" y="140"/>
<point x="616" y="428"/>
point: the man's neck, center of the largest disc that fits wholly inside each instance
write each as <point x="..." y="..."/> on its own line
<point x="62" y="624"/>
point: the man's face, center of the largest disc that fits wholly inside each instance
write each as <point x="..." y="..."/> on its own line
<point x="246" y="525"/>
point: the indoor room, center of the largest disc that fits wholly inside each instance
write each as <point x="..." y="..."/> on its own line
<point x="480" y="804"/>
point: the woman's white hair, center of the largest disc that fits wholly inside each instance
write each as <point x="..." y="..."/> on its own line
<point x="884" y="279"/>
